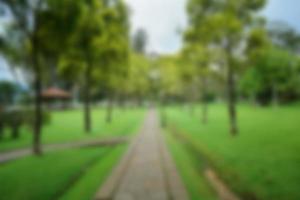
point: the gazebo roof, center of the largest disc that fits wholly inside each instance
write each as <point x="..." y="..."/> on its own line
<point x="55" y="93"/>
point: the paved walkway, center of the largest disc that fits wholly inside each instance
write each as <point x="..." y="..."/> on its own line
<point x="147" y="171"/>
<point x="20" y="153"/>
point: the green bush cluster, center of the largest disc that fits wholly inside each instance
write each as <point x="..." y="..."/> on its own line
<point x="15" y="118"/>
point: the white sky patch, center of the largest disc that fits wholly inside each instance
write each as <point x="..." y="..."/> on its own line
<point x="284" y="10"/>
<point x="162" y="20"/>
<point x="5" y="18"/>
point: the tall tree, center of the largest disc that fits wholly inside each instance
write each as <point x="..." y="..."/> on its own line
<point x="59" y="22"/>
<point x="87" y="46"/>
<point x="283" y="36"/>
<point x="273" y="76"/>
<point x="140" y="39"/>
<point x="8" y="92"/>
<point x="26" y="23"/>
<point x="115" y="55"/>
<point x="200" y="59"/>
<point x="223" y="24"/>
<point x="39" y="30"/>
<point x="137" y="82"/>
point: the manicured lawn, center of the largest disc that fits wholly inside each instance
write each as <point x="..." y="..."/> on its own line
<point x="71" y="174"/>
<point x="46" y="177"/>
<point x="68" y="126"/>
<point x="263" y="161"/>
<point x="89" y="184"/>
<point x="191" y="173"/>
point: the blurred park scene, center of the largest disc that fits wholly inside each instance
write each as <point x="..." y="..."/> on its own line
<point x="149" y="100"/>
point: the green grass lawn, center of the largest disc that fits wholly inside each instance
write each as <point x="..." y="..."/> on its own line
<point x="192" y="176"/>
<point x="88" y="185"/>
<point x="54" y="174"/>
<point x="68" y="126"/>
<point x="263" y="161"/>
<point x="68" y="174"/>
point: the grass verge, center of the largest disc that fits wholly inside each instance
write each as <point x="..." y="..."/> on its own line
<point x="67" y="126"/>
<point x="43" y="177"/>
<point x="192" y="175"/>
<point x="263" y="161"/>
<point x="88" y="185"/>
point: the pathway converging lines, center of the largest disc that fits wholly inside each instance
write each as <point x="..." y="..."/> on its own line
<point x="147" y="171"/>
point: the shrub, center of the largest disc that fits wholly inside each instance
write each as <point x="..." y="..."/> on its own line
<point x="15" y="118"/>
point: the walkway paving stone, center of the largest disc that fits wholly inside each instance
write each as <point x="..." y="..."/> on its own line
<point x="147" y="171"/>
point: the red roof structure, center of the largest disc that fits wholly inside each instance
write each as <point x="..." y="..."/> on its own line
<point x="55" y="93"/>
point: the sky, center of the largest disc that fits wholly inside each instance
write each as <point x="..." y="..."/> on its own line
<point x="165" y="19"/>
<point x="284" y="10"/>
<point x="162" y="20"/>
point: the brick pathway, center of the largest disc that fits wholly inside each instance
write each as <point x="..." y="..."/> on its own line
<point x="147" y="171"/>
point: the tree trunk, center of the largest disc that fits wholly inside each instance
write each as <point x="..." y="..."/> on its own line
<point x="38" y="108"/>
<point x="163" y="112"/>
<point x="253" y="99"/>
<point x="87" y="108"/>
<point x="121" y="101"/>
<point x="109" y="113"/>
<point x="1" y="130"/>
<point x="140" y="100"/>
<point x="192" y="98"/>
<point x="231" y="98"/>
<point x="124" y="105"/>
<point x="15" y="132"/>
<point x="204" y="101"/>
<point x="274" y="96"/>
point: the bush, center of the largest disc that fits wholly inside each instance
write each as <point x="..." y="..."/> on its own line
<point x="1" y="124"/>
<point x="15" y="118"/>
<point x="8" y="91"/>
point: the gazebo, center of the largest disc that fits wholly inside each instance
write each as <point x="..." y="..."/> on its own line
<point x="56" y="98"/>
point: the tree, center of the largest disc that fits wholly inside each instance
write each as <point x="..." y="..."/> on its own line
<point x="115" y="53"/>
<point x="189" y="80"/>
<point x="140" y="40"/>
<point x="98" y="53"/>
<point x="26" y="24"/>
<point x="137" y="82"/>
<point x="272" y="72"/>
<point x="200" y="58"/>
<point x="39" y="30"/>
<point x="283" y="36"/>
<point x="169" y="81"/>
<point x="59" y="24"/>
<point x="93" y="49"/>
<point x="273" y="76"/>
<point x="222" y="24"/>
<point x="257" y="42"/>
<point x="8" y="92"/>
<point x="89" y="41"/>
<point x="169" y="70"/>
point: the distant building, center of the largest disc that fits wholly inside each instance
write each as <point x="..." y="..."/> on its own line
<point x="56" y="98"/>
